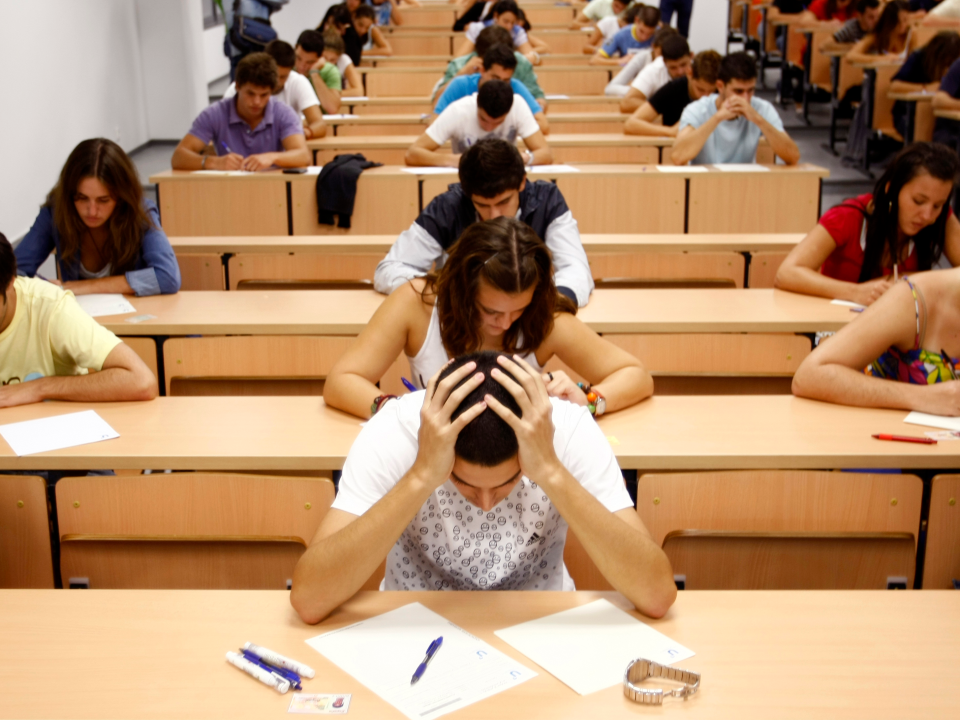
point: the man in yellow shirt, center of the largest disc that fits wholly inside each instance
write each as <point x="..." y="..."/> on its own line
<point x="47" y="344"/>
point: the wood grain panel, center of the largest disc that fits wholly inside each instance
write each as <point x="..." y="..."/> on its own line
<point x="753" y="202"/>
<point x="942" y="563"/>
<point x="763" y="268"/>
<point x="146" y="350"/>
<point x="25" y="559"/>
<point x="606" y="204"/>
<point x="223" y="206"/>
<point x="590" y="154"/>
<point x="200" y="271"/>
<point x="677" y="267"/>
<point x="386" y="203"/>
<point x="303" y="267"/>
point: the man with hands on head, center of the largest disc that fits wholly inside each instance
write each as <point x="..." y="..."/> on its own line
<point x="249" y="131"/>
<point x="726" y="127"/>
<point x="471" y="485"/>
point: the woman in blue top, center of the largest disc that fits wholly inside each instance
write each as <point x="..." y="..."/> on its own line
<point x="106" y="236"/>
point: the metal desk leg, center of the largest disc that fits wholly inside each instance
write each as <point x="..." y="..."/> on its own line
<point x="807" y="61"/>
<point x="834" y="101"/>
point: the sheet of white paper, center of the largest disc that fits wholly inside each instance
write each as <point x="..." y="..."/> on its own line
<point x="314" y="169"/>
<point x="384" y="651"/>
<point x="682" y="168"/>
<point x="210" y="172"/>
<point x="554" y="169"/>
<point x="54" y="433"/>
<point x="430" y="170"/>
<point x="590" y="646"/>
<point x="848" y="303"/>
<point x="557" y="97"/>
<point x="588" y="29"/>
<point x="358" y="98"/>
<point x="740" y="167"/>
<point x="100" y="304"/>
<point x="339" y="116"/>
<point x="937" y="421"/>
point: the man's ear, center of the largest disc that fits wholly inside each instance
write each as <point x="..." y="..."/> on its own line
<point x="523" y="183"/>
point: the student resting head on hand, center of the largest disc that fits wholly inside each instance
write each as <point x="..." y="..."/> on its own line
<point x="495" y="291"/>
<point x="47" y="344"/>
<point x="483" y="451"/>
<point x="106" y="236"/>
<point x="906" y="222"/>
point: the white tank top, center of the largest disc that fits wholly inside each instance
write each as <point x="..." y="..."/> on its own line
<point x="433" y="356"/>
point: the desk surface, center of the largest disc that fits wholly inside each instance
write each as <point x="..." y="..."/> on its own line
<point x="868" y="655"/>
<point x="947" y="114"/>
<point x="695" y="432"/>
<point x="592" y="243"/>
<point x="346" y="312"/>
<point x="370" y="142"/>
<point x="418" y="119"/>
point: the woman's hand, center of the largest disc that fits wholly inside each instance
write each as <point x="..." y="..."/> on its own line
<point x="559" y="385"/>
<point x="869" y="292"/>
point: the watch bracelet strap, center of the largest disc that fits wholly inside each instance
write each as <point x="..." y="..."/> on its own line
<point x="654" y="696"/>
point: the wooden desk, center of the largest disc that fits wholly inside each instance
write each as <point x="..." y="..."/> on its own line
<point x="346" y="312"/>
<point x="693" y="432"/>
<point x="415" y="124"/>
<point x="440" y="61"/>
<point x="783" y="654"/>
<point x="422" y="104"/>
<point x="947" y="114"/>
<point x="272" y="203"/>
<point x="606" y="147"/>
<point x="919" y="119"/>
<point x="566" y="79"/>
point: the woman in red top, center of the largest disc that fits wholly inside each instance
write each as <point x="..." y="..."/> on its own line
<point x="906" y="222"/>
<point x="841" y="10"/>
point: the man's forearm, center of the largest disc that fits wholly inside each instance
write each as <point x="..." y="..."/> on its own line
<point x="293" y="158"/>
<point x="543" y="156"/>
<point x="636" y="126"/>
<point x="686" y="148"/>
<point x="331" y="571"/>
<point x="112" y="284"/>
<point x="783" y="146"/>
<point x="329" y="98"/>
<point x="110" y="385"/>
<point x="629" y="560"/>
<point x="186" y="159"/>
<point x="421" y="157"/>
<point x="599" y="59"/>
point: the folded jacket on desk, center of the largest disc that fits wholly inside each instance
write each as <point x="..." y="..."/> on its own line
<point x="337" y="188"/>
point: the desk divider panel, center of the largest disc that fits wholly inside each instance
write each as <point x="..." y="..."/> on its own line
<point x="774" y="201"/>
<point x="223" y="206"/>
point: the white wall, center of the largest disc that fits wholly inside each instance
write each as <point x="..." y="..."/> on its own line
<point x="215" y="63"/>
<point x="297" y="16"/>
<point x="708" y="25"/>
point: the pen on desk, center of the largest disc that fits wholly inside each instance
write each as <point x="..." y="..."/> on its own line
<point x="278" y="683"/>
<point x="408" y="385"/>
<point x="278" y="660"/>
<point x="906" y="438"/>
<point x="857" y="309"/>
<point x="289" y="675"/>
<point x="431" y="651"/>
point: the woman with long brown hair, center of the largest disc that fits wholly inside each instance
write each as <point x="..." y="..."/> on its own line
<point x="495" y="292"/>
<point x="106" y="236"/>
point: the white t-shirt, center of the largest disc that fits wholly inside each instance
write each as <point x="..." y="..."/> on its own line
<point x="597" y="9"/>
<point x="733" y="141"/>
<point x="608" y="26"/>
<point x="452" y="545"/>
<point x="458" y="123"/>
<point x="518" y="33"/>
<point x="947" y="9"/>
<point x="297" y="93"/>
<point x="653" y="77"/>
<point x="343" y="62"/>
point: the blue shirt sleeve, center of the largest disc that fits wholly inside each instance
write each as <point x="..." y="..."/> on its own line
<point x="458" y="88"/>
<point x="520" y="89"/>
<point x="37" y="244"/>
<point x="613" y="44"/>
<point x="162" y="272"/>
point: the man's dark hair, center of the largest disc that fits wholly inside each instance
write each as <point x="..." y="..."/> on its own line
<point x="737" y="66"/>
<point x="864" y="5"/>
<point x="501" y="55"/>
<point x="257" y="69"/>
<point x="630" y="14"/>
<point x="489" y="167"/>
<point x="490" y="36"/>
<point x="495" y="98"/>
<point x="486" y="440"/>
<point x="706" y="66"/>
<point x="282" y="53"/>
<point x="649" y="16"/>
<point x="333" y="41"/>
<point x="8" y="264"/>
<point x="365" y="11"/>
<point x="674" y="47"/>
<point x="505" y="6"/>
<point x="662" y="34"/>
<point x="311" y="41"/>
<point x="339" y="15"/>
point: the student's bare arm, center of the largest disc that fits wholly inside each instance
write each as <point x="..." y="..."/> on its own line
<point x="617" y="375"/>
<point x="800" y="272"/>
<point x="350" y="385"/>
<point x="352" y="76"/>
<point x="123" y="377"/>
<point x="901" y="86"/>
<point x="188" y="156"/>
<point x="622" y="549"/>
<point x="112" y="284"/>
<point x="329" y="98"/>
<point x="642" y="122"/>
<point x="381" y="46"/>
<point x="295" y="154"/>
<point x="423" y="153"/>
<point x="834" y="371"/>
<point x="945" y="101"/>
<point x="690" y="140"/>
<point x="542" y="121"/>
<point x="313" y="126"/>
<point x="632" y="101"/>
<point x="465" y="48"/>
<point x="347" y="549"/>
<point x="600" y="59"/>
<point x="951" y="245"/>
<point x="396" y="17"/>
<point x="594" y="42"/>
<point x="862" y="51"/>
<point x="537" y="144"/>
<point x="530" y="52"/>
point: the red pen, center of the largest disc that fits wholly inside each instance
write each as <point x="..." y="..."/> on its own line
<point x="906" y="438"/>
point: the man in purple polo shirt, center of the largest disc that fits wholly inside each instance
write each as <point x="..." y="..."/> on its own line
<point x="249" y="131"/>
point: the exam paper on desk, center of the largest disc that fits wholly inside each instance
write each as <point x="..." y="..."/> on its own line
<point x="937" y="421"/>
<point x="100" y="304"/>
<point x="588" y="647"/>
<point x="55" y="433"/>
<point x="384" y="651"/>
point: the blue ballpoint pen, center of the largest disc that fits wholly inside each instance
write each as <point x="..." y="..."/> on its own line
<point x="225" y="147"/>
<point x="431" y="651"/>
<point x="408" y="385"/>
<point x="292" y="677"/>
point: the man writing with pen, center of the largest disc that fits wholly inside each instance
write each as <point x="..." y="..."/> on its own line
<point x="251" y="130"/>
<point x="472" y="484"/>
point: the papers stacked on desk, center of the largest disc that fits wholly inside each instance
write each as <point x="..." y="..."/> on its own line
<point x="100" y="304"/>
<point x="384" y="651"/>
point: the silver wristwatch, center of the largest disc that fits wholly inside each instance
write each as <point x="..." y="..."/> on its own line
<point x="640" y="669"/>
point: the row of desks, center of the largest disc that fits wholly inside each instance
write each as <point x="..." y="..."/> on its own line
<point x="415" y="124"/>
<point x="388" y="80"/>
<point x="786" y="654"/>
<point x="421" y="104"/>
<point x="662" y="433"/>
<point x="603" y="198"/>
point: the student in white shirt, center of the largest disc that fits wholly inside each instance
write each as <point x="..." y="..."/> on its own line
<point x="725" y="127"/>
<point x="472" y="484"/>
<point x="674" y="62"/>
<point x="607" y="27"/>
<point x="620" y="85"/>
<point x="492" y="112"/>
<point x="293" y="89"/>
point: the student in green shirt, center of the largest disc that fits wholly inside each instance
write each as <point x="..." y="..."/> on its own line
<point x="473" y="63"/>
<point x="323" y="75"/>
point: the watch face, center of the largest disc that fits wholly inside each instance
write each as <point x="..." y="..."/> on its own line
<point x="601" y="406"/>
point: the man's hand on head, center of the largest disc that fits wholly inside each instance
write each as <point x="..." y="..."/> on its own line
<point x="538" y="457"/>
<point x="438" y="433"/>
